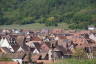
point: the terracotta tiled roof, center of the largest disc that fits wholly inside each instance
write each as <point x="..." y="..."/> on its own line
<point x="82" y="32"/>
<point x="77" y="39"/>
<point x="8" y="62"/>
<point x="62" y="37"/>
<point x="36" y="39"/>
<point x="56" y="31"/>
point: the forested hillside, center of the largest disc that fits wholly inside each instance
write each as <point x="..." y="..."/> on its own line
<point x="77" y="13"/>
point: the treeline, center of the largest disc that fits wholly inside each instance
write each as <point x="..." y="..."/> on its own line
<point x="77" y="13"/>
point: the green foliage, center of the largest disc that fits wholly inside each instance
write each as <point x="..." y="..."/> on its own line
<point x="75" y="61"/>
<point x="51" y="21"/>
<point x="48" y="12"/>
<point x="80" y="53"/>
<point x="5" y="59"/>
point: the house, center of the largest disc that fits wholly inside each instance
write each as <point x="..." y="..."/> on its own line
<point x="4" y="43"/>
<point x="93" y="37"/>
<point x="34" y="47"/>
<point x="55" y="54"/>
<point x="36" y="51"/>
<point x="78" y="40"/>
<point x="44" y="48"/>
<point x="21" y="41"/>
<point x="27" y="32"/>
<point x="57" y="31"/>
<point x="17" y="31"/>
<point x="28" y="38"/>
<point x="63" y="41"/>
<point x="20" y="49"/>
<point x="50" y="54"/>
<point x="46" y="39"/>
<point x="6" y="31"/>
<point x="9" y="43"/>
<point x="91" y="28"/>
<point x="36" y="39"/>
<point x="44" y="45"/>
<point x="30" y="44"/>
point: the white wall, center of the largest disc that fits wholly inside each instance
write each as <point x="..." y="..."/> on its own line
<point x="93" y="37"/>
<point x="17" y="60"/>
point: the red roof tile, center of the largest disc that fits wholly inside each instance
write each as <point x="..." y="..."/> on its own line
<point x="56" y="31"/>
<point x="62" y="37"/>
<point x="2" y="62"/>
<point x="36" y="39"/>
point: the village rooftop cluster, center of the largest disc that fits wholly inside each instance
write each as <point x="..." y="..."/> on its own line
<point x="40" y="45"/>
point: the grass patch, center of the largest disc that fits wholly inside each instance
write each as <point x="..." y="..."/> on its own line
<point x="35" y="26"/>
<point x="5" y="59"/>
<point x="75" y="61"/>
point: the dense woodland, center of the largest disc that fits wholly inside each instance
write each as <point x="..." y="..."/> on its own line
<point x="78" y="14"/>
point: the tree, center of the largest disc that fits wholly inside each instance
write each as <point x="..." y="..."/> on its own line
<point x="80" y="53"/>
<point x="49" y="12"/>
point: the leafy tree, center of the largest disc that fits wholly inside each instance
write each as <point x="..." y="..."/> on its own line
<point x="79" y="53"/>
<point x="49" y="12"/>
